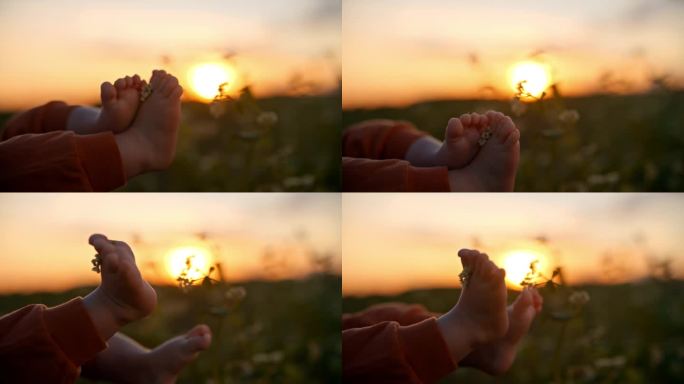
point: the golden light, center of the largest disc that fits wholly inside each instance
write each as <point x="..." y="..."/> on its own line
<point x="535" y="77"/>
<point x="206" y="78"/>
<point x="517" y="265"/>
<point x="195" y="261"/>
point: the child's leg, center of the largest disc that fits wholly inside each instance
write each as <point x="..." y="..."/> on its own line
<point x="126" y="361"/>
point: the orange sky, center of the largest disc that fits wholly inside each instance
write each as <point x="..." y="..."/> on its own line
<point x="45" y="236"/>
<point x="398" y="52"/>
<point x="394" y="242"/>
<point x="64" y="50"/>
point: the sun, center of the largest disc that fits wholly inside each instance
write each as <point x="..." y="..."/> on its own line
<point x="206" y="78"/>
<point x="535" y="77"/>
<point x="195" y="260"/>
<point x="517" y="265"/>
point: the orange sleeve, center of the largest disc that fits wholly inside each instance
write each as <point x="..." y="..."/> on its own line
<point x="61" y="161"/>
<point x="365" y="175"/>
<point x="50" y="117"/>
<point x="379" y="139"/>
<point x="47" y="345"/>
<point x="38" y="155"/>
<point x="388" y="352"/>
<point x="404" y="314"/>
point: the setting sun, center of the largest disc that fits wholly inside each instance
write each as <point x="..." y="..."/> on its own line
<point x="517" y="265"/>
<point x="197" y="266"/>
<point x="535" y="77"/>
<point x="206" y="78"/>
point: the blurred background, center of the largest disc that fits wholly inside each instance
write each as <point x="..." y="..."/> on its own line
<point x="595" y="87"/>
<point x="262" y="270"/>
<point x="273" y="126"/>
<point x="610" y="268"/>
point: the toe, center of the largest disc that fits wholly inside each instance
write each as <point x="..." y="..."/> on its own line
<point x="465" y="119"/>
<point x="136" y="81"/>
<point x="101" y="243"/>
<point x="120" y="84"/>
<point x="474" y="119"/>
<point x="157" y="76"/>
<point x="501" y="125"/>
<point x="512" y="138"/>
<point x="454" y="129"/>
<point x="107" y="252"/>
<point x="484" y="121"/>
<point x="177" y="93"/>
<point x="537" y="300"/>
<point x="467" y="256"/>
<point x="107" y="92"/>
<point x="129" y="81"/>
<point x="198" y="330"/>
<point x="197" y="339"/>
<point x="523" y="302"/>
<point x="169" y="85"/>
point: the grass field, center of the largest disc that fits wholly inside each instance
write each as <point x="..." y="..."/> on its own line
<point x="631" y="333"/>
<point x="228" y="150"/>
<point x="283" y="331"/>
<point x="619" y="143"/>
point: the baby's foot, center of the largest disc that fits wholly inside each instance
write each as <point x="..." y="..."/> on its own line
<point x="119" y="104"/>
<point x="479" y="317"/>
<point x="495" y="166"/>
<point x="151" y="140"/>
<point x="460" y="140"/>
<point x="123" y="296"/>
<point x="497" y="357"/>
<point x="164" y="363"/>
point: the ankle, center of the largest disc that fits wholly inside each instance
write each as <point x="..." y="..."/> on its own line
<point x="102" y="315"/>
<point x="458" y="333"/>
<point x="133" y="153"/>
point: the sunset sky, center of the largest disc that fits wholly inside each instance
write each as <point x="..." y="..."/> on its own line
<point x="64" y="50"/>
<point x="395" y="242"/>
<point x="398" y="52"/>
<point x="44" y="243"/>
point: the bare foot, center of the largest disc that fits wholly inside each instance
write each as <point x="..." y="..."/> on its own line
<point x="495" y="166"/>
<point x="119" y="104"/>
<point x="123" y="296"/>
<point x="497" y="357"/>
<point x="479" y="317"/>
<point x="460" y="140"/>
<point x="164" y="363"/>
<point x="150" y="143"/>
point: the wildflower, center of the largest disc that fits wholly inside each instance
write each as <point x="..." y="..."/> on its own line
<point x="264" y="358"/>
<point x="217" y="109"/>
<point x="303" y="181"/>
<point x="611" y="362"/>
<point x="608" y="178"/>
<point x="485" y="136"/>
<point x="97" y="263"/>
<point x="267" y="119"/>
<point x="465" y="275"/>
<point x="569" y="116"/>
<point x="579" y="298"/>
<point x="145" y="92"/>
<point x="531" y="276"/>
<point x="235" y="294"/>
